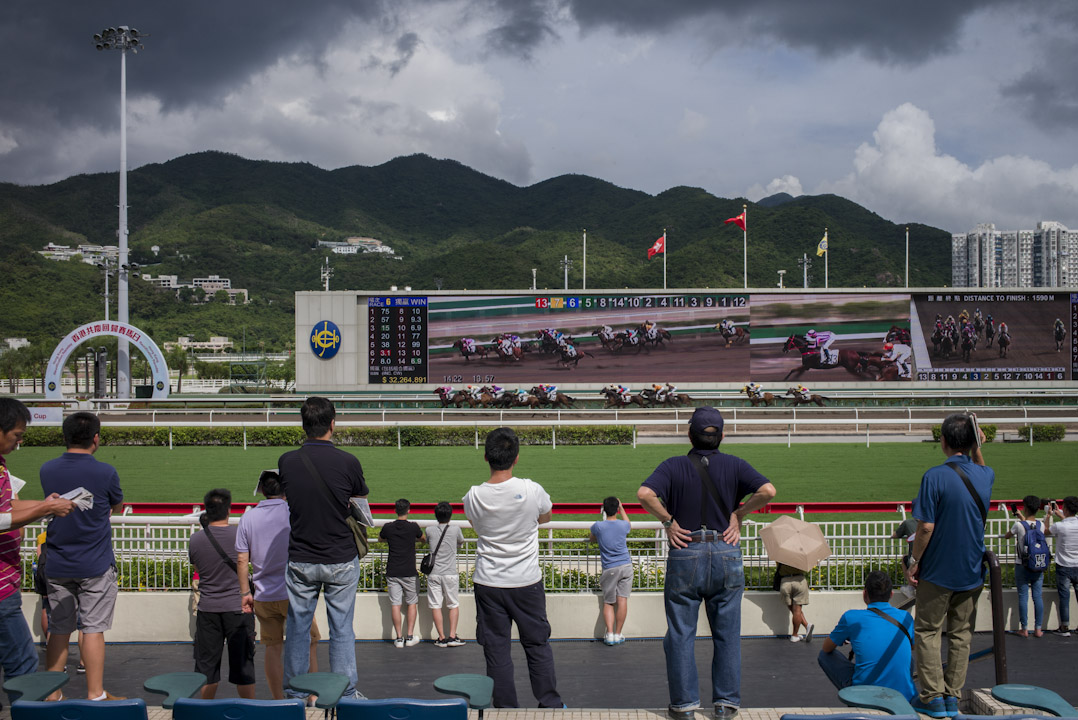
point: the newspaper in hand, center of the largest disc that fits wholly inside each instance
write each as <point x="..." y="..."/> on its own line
<point x="81" y="497"/>
<point x="361" y="511"/>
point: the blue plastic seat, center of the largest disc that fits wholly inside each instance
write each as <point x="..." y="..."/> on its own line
<point x="133" y="709"/>
<point x="846" y="716"/>
<point x="36" y="685"/>
<point x="478" y="690"/>
<point x="875" y="697"/>
<point x="402" y="709"/>
<point x="238" y="709"/>
<point x="1032" y="696"/>
<point x="175" y="685"/>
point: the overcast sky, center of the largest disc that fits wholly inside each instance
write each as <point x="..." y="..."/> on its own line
<point x="949" y="113"/>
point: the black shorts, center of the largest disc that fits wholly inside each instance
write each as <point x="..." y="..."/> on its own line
<point x="213" y="631"/>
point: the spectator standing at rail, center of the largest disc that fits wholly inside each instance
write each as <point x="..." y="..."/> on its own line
<point x="17" y="654"/>
<point x="1028" y="582"/>
<point x="1065" y="532"/>
<point x="703" y="529"/>
<point x="81" y="566"/>
<point x="951" y="509"/>
<point x="401" y="576"/>
<point x="319" y="480"/>
<point x="506" y="512"/>
<point x="882" y="639"/>
<point x="443" y="583"/>
<point x="221" y="621"/>
<point x="262" y="544"/>
<point x="617" y="578"/>
<point x="794" y="591"/>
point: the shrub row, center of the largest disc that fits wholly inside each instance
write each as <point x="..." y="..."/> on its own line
<point x="1043" y="433"/>
<point x="411" y="436"/>
<point x="988" y="430"/>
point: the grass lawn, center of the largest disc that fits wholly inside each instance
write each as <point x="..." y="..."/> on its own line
<point x="803" y="473"/>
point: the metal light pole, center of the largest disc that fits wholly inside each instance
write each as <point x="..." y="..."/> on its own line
<point x="566" y="263"/>
<point x="122" y="38"/>
<point x="781" y="273"/>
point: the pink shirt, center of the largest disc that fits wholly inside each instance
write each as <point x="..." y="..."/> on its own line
<point x="10" y="560"/>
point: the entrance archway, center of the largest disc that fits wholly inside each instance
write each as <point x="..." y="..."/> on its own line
<point x="87" y="333"/>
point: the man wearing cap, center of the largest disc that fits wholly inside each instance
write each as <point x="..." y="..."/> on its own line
<point x="703" y="528"/>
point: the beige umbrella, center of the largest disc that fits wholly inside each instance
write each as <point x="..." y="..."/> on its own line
<point x="794" y="542"/>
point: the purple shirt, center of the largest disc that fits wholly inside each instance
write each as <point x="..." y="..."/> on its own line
<point x="263" y="533"/>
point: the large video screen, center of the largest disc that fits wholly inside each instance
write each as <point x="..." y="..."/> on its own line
<point x="640" y="338"/>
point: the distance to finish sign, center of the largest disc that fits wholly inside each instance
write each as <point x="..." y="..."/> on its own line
<point x="325" y="339"/>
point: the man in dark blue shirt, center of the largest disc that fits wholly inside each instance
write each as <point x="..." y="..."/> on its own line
<point x="703" y="529"/>
<point x="945" y="564"/>
<point x="81" y="567"/>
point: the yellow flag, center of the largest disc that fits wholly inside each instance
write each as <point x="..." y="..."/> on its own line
<point x="822" y="247"/>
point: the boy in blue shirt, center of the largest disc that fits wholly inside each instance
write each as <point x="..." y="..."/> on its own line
<point x="617" y="579"/>
<point x="882" y="640"/>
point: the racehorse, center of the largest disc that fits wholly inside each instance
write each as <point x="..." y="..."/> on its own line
<point x="613" y="399"/>
<point x="978" y="324"/>
<point x="812" y="398"/>
<point x="671" y="399"/>
<point x="480" y="350"/>
<point x="898" y="334"/>
<point x="447" y="399"/>
<point x="765" y="398"/>
<point x="488" y="398"/>
<point x="1004" y="342"/>
<point x="735" y="336"/>
<point x="513" y="353"/>
<point x="655" y="336"/>
<point x="967" y="346"/>
<point x="566" y="359"/>
<point x="548" y="343"/>
<point x="989" y="332"/>
<point x="851" y="360"/>
<point x="606" y="339"/>
<point x="528" y="401"/>
<point x="622" y="341"/>
<point x="1060" y="335"/>
<point x="560" y="399"/>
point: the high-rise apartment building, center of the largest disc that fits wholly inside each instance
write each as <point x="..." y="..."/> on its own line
<point x="987" y="257"/>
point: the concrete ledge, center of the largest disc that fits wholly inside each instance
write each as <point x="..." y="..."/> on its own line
<point x="169" y="616"/>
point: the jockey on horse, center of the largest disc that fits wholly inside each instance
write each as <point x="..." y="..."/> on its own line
<point x="726" y="327"/>
<point x="651" y="332"/>
<point x="821" y="341"/>
<point x="468" y="345"/>
<point x="623" y="393"/>
<point x="899" y="354"/>
<point x="804" y="393"/>
<point x="754" y="391"/>
<point x="662" y="392"/>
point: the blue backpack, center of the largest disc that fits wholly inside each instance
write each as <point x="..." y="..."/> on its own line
<point x="1036" y="555"/>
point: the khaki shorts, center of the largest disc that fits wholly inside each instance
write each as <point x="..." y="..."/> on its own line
<point x="616" y="582"/>
<point x="794" y="590"/>
<point x="403" y="588"/>
<point x="441" y="587"/>
<point x="87" y="603"/>
<point x="271" y="621"/>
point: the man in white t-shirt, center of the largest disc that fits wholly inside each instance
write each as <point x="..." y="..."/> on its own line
<point x="506" y="512"/>
<point x="1065" y="532"/>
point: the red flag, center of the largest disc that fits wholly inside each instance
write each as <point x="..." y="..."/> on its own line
<point x="739" y="221"/>
<point x="658" y="248"/>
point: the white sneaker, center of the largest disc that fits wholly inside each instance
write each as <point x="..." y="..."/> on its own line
<point x="411" y="641"/>
<point x="398" y="643"/>
<point x="609" y="639"/>
<point x="795" y="638"/>
<point x="618" y="638"/>
<point x="808" y="633"/>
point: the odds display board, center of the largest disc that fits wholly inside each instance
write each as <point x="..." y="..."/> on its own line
<point x="694" y="338"/>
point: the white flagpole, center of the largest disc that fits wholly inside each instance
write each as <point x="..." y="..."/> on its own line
<point x="826" y="252"/>
<point x="666" y="251"/>
<point x="907" y="257"/>
<point x="585" y="284"/>
<point x="745" y="246"/>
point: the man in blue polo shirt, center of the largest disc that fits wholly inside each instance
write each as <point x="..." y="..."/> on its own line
<point x="703" y="529"/>
<point x="945" y="565"/>
<point x="882" y="640"/>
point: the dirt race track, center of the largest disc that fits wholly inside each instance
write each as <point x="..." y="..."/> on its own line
<point x="1030" y="325"/>
<point x="769" y="364"/>
<point x="686" y="358"/>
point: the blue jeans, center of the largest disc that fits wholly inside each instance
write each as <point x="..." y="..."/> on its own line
<point x="338" y="583"/>
<point x="837" y="667"/>
<point x="1066" y="577"/>
<point x="17" y="653"/>
<point x="710" y="572"/>
<point x="1027" y="579"/>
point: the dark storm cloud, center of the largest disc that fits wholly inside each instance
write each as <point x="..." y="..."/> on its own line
<point x="406" y="45"/>
<point x="526" y="26"/>
<point x="1048" y="93"/>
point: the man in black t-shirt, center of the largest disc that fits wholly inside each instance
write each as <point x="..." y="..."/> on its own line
<point x="401" y="575"/>
<point x="319" y="480"/>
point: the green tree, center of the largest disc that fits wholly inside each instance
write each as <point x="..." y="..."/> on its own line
<point x="177" y="360"/>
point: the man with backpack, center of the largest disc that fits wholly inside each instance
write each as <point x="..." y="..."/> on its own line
<point x="951" y="509"/>
<point x="1033" y="559"/>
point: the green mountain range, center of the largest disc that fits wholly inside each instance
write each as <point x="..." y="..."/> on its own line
<point x="258" y="223"/>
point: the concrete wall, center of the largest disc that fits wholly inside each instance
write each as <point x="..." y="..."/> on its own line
<point x="167" y="617"/>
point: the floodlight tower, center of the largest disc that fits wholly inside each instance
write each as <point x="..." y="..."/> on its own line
<point x="122" y="38"/>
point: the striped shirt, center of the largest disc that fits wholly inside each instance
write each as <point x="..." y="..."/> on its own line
<point x="10" y="562"/>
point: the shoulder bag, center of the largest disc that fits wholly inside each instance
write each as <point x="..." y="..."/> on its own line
<point x="359" y="532"/>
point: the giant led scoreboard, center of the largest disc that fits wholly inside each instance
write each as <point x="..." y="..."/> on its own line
<point x="704" y="338"/>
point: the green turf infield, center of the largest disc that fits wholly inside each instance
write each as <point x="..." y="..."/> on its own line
<point x="802" y="473"/>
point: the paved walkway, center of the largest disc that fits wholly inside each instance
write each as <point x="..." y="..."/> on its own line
<point x="777" y="676"/>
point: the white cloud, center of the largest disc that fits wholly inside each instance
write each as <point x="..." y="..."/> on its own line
<point x="903" y="176"/>
<point x="693" y="124"/>
<point x="785" y="184"/>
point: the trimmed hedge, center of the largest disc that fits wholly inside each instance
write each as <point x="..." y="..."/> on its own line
<point x="988" y="430"/>
<point x="1043" y="433"/>
<point x="410" y="436"/>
